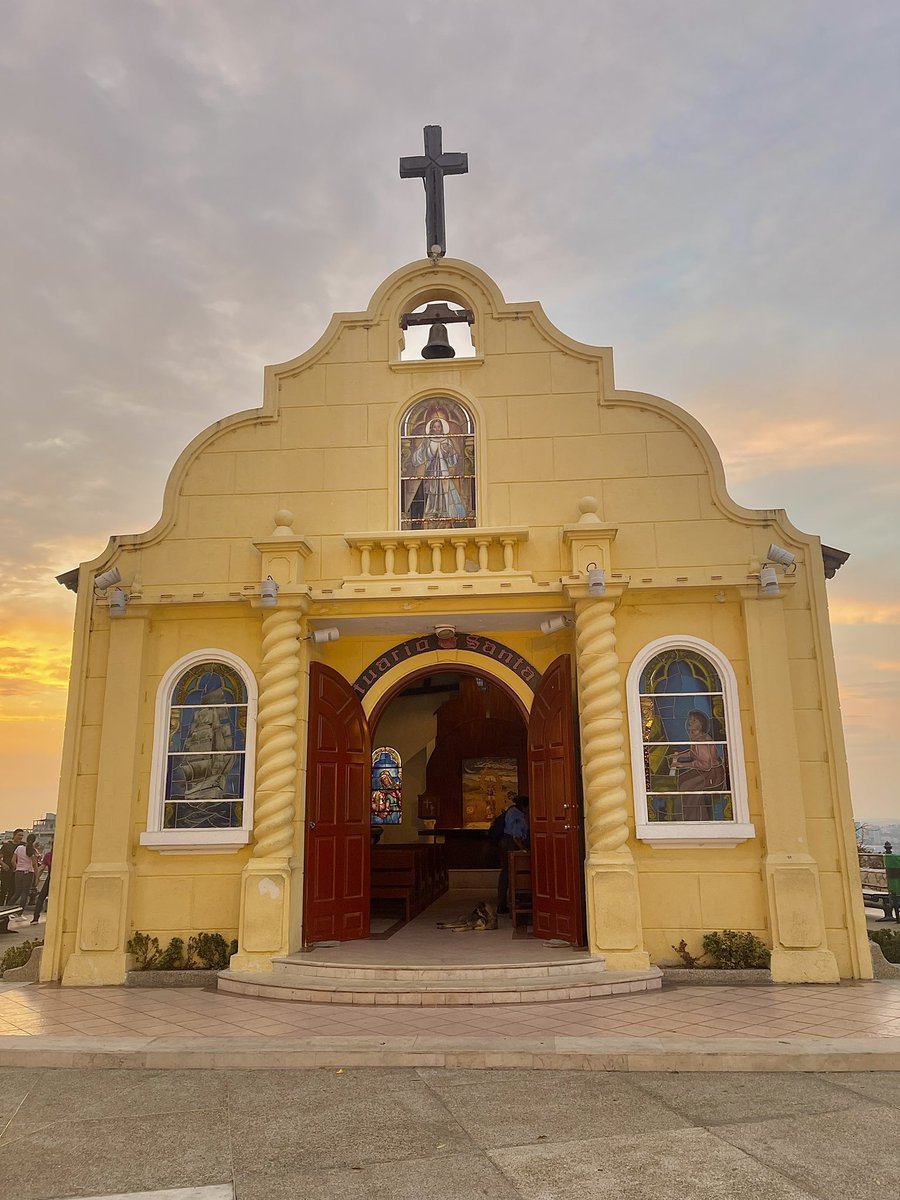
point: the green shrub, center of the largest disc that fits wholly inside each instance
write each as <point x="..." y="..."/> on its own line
<point x="172" y="958"/>
<point x="17" y="956"/>
<point x="145" y="950"/>
<point x="889" y="941"/>
<point x="213" y="951"/>
<point x="736" y="951"/>
<point x="205" y="951"/>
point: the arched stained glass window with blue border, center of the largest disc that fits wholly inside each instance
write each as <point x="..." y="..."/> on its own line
<point x="207" y="745"/>
<point x="387" y="786"/>
<point x="685" y="740"/>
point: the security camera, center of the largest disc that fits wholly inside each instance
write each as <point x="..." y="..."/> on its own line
<point x="445" y="632"/>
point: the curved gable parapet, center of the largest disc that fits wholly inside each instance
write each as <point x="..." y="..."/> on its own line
<point x="362" y="348"/>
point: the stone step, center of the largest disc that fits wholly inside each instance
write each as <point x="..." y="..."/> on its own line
<point x="302" y="966"/>
<point x="515" y="989"/>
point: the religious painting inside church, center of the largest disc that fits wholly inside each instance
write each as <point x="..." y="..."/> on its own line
<point x="387" y="784"/>
<point x="685" y="741"/>
<point x="488" y="785"/>
<point x="204" y="784"/>
<point x="437" y="465"/>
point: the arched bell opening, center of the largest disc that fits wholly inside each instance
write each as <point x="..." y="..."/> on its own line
<point x="440" y="328"/>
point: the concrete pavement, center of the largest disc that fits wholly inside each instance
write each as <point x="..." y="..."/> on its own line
<point x="403" y="1134"/>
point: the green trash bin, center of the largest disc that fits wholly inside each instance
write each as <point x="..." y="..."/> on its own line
<point x="892" y="870"/>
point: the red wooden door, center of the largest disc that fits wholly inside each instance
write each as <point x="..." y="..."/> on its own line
<point x="338" y="818"/>
<point x="557" y="859"/>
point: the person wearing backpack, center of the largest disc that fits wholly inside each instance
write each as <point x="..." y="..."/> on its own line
<point x="514" y="837"/>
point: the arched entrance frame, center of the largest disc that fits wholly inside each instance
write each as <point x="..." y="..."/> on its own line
<point x="394" y="681"/>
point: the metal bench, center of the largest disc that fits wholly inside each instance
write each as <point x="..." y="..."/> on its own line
<point x="8" y="910"/>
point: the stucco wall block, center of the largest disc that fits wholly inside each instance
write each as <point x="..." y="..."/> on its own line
<point x="805" y="684"/>
<point x="518" y="375"/>
<point x="635" y="546"/>
<point x="571" y="374"/>
<point x="671" y="900"/>
<point x="817" y="799"/>
<point x="89" y="750"/>
<point x="210" y="475"/>
<point x="610" y="456"/>
<point x="811" y="735"/>
<point x="538" y="503"/>
<point x="632" y="418"/>
<point x="515" y="460"/>
<point x="304" y="389"/>
<point x="626" y="499"/>
<point x="342" y="425"/>
<point x="272" y="471"/>
<point x="729" y="900"/>
<point x="702" y="543"/>
<point x="162" y="902"/>
<point x="673" y="454"/>
<point x="571" y="415"/>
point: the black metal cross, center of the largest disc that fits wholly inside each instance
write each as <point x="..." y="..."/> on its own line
<point x="431" y="169"/>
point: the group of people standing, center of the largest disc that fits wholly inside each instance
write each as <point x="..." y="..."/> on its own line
<point x="21" y="863"/>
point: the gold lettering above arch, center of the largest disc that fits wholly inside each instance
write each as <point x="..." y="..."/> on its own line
<point x="473" y="642"/>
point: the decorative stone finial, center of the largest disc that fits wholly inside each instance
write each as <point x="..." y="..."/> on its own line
<point x="284" y="524"/>
<point x="589" y="507"/>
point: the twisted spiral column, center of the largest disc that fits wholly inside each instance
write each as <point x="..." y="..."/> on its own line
<point x="276" y="753"/>
<point x="602" y="737"/>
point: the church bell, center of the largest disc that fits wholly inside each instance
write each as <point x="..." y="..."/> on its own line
<point x="438" y="344"/>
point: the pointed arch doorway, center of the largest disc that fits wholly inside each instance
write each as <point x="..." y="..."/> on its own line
<point x="338" y="839"/>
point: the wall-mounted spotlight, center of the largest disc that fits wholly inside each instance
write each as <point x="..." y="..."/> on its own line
<point x="268" y="593"/>
<point x="768" y="582"/>
<point x="117" y="602"/>
<point x="778" y="554"/>
<point x="318" y="636"/>
<point x="555" y="624"/>
<point x="107" y="579"/>
<point x="596" y="578"/>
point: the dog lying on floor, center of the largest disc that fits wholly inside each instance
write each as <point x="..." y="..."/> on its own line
<point x="483" y="916"/>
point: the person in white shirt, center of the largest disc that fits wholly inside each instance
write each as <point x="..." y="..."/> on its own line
<point x="26" y="861"/>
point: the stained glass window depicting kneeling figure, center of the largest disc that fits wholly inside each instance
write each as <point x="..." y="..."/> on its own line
<point x="387" y="783"/>
<point x="685" y="742"/>
<point x="204" y="784"/>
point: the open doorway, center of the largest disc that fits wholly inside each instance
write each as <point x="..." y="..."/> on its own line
<point x="455" y="745"/>
<point x="450" y="751"/>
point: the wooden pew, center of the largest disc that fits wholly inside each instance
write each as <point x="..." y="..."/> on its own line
<point x="413" y="874"/>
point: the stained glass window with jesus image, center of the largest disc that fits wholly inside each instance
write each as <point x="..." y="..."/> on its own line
<point x="437" y="465"/>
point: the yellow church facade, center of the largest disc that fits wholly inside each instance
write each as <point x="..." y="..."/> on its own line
<point x="506" y="529"/>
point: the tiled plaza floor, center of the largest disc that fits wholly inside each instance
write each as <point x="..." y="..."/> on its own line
<point x="851" y="1010"/>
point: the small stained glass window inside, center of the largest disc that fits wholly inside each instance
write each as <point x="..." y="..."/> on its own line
<point x="204" y="786"/>
<point x="685" y="742"/>
<point x="387" y="785"/>
<point x="437" y="465"/>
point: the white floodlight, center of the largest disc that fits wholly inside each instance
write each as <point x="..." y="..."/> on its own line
<point x="596" y="577"/>
<point x="319" y="636"/>
<point x="107" y="579"/>
<point x="555" y="624"/>
<point x="268" y="593"/>
<point x="778" y="554"/>
<point x="117" y="602"/>
<point x="768" y="582"/>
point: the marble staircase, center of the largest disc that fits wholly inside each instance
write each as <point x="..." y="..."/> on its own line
<point x="302" y="978"/>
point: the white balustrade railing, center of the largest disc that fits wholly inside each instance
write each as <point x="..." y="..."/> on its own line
<point x="411" y="553"/>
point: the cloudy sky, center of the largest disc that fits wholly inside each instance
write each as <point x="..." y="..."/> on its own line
<point x="191" y="187"/>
